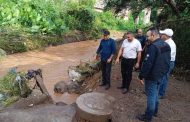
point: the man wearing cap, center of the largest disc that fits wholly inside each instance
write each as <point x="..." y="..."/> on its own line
<point x="166" y="36"/>
<point x="155" y="66"/>
<point x="130" y="50"/>
<point x="106" y="50"/>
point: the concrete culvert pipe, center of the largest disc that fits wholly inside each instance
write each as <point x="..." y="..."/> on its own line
<point x="95" y="107"/>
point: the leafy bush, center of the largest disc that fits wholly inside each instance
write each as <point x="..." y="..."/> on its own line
<point x="26" y="20"/>
<point x="6" y="85"/>
<point x="38" y="15"/>
<point x="80" y="18"/>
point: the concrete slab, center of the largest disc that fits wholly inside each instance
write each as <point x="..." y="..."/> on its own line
<point x="41" y="113"/>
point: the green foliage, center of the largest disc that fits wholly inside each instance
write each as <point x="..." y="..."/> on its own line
<point x="110" y="21"/>
<point x="80" y="18"/>
<point x="32" y="24"/>
<point x="9" y="101"/>
<point x="12" y="89"/>
<point x="7" y="85"/>
<point x="87" y="3"/>
<point x="38" y="15"/>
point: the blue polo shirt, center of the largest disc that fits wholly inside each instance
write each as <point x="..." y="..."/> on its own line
<point x="106" y="49"/>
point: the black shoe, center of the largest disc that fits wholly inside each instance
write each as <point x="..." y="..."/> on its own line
<point x="102" y="84"/>
<point x="143" y="118"/>
<point x="124" y="91"/>
<point x="120" y="87"/>
<point x="155" y="115"/>
<point x="107" y="87"/>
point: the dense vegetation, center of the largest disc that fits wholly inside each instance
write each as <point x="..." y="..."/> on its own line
<point x="22" y="20"/>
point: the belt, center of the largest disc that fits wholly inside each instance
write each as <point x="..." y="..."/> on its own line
<point x="129" y="58"/>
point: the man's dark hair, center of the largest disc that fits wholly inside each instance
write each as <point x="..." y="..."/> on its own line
<point x="129" y="32"/>
<point x="138" y="30"/>
<point x="154" y="30"/>
<point x="106" y="32"/>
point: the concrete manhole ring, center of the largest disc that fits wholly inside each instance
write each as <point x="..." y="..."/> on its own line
<point x="95" y="105"/>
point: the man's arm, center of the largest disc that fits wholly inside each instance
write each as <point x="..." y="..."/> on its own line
<point x="148" y="62"/>
<point x="98" y="50"/>
<point x="113" y="48"/>
<point x="119" y="54"/>
<point x="138" y="59"/>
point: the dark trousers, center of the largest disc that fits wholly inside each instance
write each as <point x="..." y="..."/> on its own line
<point x="106" y="70"/>
<point x="126" y="71"/>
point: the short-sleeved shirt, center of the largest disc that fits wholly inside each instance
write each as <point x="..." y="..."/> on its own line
<point x="130" y="49"/>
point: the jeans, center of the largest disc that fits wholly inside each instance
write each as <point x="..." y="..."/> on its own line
<point x="151" y="89"/>
<point x="126" y="71"/>
<point x="106" y="71"/>
<point x="164" y="82"/>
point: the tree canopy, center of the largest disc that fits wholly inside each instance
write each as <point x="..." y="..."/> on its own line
<point x="168" y="8"/>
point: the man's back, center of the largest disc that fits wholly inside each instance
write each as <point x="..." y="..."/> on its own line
<point x="157" y="60"/>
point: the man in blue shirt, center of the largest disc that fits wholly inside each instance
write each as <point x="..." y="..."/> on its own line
<point x="155" y="65"/>
<point x="106" y="50"/>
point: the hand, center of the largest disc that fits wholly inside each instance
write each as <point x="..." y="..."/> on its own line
<point x="117" y="61"/>
<point x="95" y="57"/>
<point x="142" y="82"/>
<point x="137" y="65"/>
<point x="109" y="60"/>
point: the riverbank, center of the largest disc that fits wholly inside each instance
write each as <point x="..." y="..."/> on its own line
<point x="54" y="62"/>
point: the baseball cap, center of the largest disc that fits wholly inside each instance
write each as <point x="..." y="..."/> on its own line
<point x="106" y="32"/>
<point x="168" y="32"/>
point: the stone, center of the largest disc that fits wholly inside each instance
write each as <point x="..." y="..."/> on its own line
<point x="35" y="100"/>
<point x="60" y="87"/>
<point x="73" y="74"/>
<point x="40" y="113"/>
<point x="96" y="107"/>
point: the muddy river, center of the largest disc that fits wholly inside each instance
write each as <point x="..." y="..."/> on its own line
<point x="54" y="62"/>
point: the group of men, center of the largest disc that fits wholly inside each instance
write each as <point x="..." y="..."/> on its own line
<point x="157" y="53"/>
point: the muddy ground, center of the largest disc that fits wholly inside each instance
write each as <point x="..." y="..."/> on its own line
<point x="174" y="108"/>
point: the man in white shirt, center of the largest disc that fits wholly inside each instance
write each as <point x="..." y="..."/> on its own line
<point x="130" y="50"/>
<point x="166" y="36"/>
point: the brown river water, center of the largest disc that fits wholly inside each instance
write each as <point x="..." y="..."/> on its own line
<point x="54" y="62"/>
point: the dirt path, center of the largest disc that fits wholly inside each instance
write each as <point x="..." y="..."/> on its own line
<point x="174" y="108"/>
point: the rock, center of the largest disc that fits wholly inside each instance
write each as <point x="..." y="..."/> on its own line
<point x="36" y="93"/>
<point x="35" y="100"/>
<point x="95" y="107"/>
<point x="60" y="87"/>
<point x="74" y="87"/>
<point x="60" y="104"/>
<point x="73" y="74"/>
<point x="40" y="113"/>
